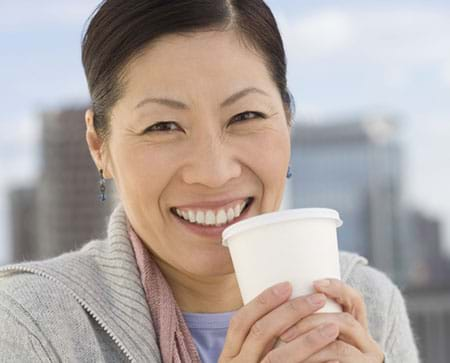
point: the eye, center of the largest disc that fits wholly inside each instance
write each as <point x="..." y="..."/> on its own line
<point x="165" y="126"/>
<point x="248" y="115"/>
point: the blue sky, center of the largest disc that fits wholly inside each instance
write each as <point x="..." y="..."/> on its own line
<point x="346" y="58"/>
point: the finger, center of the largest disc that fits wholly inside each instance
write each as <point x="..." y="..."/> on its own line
<point x="244" y="319"/>
<point x="278" y="321"/>
<point x="350" y="330"/>
<point x="337" y="351"/>
<point x="349" y="298"/>
<point x="304" y="346"/>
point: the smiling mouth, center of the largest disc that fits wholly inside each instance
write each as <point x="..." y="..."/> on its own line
<point x="213" y="217"/>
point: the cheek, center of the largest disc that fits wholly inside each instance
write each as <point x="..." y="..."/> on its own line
<point x="142" y="172"/>
<point x="268" y="153"/>
<point x="268" y="157"/>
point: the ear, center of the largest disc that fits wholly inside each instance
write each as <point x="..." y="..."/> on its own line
<point x="96" y="144"/>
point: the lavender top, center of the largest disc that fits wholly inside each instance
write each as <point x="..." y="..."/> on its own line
<point x="209" y="332"/>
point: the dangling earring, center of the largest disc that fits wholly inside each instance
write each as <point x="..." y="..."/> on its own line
<point x="289" y="173"/>
<point x="102" y="183"/>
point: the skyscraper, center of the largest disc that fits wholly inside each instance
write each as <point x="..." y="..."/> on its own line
<point x="22" y="203"/>
<point x="354" y="167"/>
<point x="428" y="266"/>
<point x="68" y="210"/>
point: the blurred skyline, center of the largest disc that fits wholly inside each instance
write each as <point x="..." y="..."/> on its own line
<point x="378" y="57"/>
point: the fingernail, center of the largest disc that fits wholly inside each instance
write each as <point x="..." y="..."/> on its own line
<point x="322" y="283"/>
<point x="329" y="330"/>
<point x="316" y="299"/>
<point x="282" y="288"/>
<point x="289" y="334"/>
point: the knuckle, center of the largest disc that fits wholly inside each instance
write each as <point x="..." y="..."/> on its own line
<point x="341" y="288"/>
<point x="336" y="283"/>
<point x="293" y="305"/>
<point x="313" y="339"/>
<point x="348" y="319"/>
<point x="273" y="357"/>
<point x="257" y="330"/>
<point x="340" y="349"/>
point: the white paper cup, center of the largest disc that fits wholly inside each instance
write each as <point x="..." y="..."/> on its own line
<point x="297" y="245"/>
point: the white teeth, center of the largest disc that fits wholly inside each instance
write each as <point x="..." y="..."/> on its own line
<point x="211" y="218"/>
<point x="221" y="217"/>
<point x="237" y="211"/>
<point x="200" y="217"/>
<point x="191" y="216"/>
<point x="230" y="215"/>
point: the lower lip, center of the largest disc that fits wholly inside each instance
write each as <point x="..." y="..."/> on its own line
<point x="211" y="231"/>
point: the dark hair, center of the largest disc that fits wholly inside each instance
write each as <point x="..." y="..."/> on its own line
<point x="120" y="29"/>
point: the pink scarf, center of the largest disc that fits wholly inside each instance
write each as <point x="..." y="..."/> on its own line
<point x="174" y="338"/>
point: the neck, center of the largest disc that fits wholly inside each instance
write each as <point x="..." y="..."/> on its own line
<point x="202" y="294"/>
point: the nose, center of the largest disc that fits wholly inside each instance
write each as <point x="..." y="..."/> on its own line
<point x="211" y="162"/>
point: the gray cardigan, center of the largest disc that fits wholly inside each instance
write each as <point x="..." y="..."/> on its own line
<point x="89" y="306"/>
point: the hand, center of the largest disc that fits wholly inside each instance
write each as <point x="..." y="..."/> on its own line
<point x="256" y="327"/>
<point x="354" y="344"/>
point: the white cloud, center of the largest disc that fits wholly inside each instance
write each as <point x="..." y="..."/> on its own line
<point x="19" y="132"/>
<point x="19" y="142"/>
<point x="404" y="36"/>
<point x="396" y="77"/>
<point x="398" y="36"/>
<point x="319" y="34"/>
<point x="15" y="15"/>
<point x="446" y="74"/>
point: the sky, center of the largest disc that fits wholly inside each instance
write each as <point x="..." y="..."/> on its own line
<point x="345" y="59"/>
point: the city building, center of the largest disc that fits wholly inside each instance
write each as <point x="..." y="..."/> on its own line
<point x="429" y="312"/>
<point x="355" y="167"/>
<point x="22" y="202"/>
<point x="427" y="264"/>
<point x="64" y="207"/>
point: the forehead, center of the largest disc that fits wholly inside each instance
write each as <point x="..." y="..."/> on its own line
<point x="207" y="61"/>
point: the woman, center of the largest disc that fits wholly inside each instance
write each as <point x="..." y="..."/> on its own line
<point x="191" y="119"/>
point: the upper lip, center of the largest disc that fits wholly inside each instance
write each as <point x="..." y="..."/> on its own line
<point x="213" y="204"/>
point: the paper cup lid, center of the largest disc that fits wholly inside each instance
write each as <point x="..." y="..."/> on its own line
<point x="276" y="217"/>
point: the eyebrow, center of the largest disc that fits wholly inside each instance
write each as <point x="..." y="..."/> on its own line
<point x="182" y="106"/>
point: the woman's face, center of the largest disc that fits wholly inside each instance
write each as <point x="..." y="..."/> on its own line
<point x="200" y="130"/>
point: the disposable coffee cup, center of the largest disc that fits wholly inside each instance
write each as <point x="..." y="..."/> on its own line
<point x="297" y="245"/>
